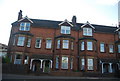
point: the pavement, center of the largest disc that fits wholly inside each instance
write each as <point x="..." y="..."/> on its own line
<point x="14" y="77"/>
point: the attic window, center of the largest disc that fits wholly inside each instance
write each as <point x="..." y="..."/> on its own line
<point x="87" y="31"/>
<point x="65" y="29"/>
<point x="25" y="26"/>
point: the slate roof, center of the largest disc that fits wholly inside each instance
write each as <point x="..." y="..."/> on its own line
<point x="54" y="24"/>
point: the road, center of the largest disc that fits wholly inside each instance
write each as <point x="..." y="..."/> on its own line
<point x="13" y="77"/>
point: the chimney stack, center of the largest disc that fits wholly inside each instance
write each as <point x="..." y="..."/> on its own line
<point x="20" y="15"/>
<point x="74" y="20"/>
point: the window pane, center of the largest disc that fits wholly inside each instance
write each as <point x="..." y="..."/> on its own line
<point x="72" y="45"/>
<point x="65" y="29"/>
<point x="21" y="41"/>
<point x="48" y="43"/>
<point x="57" y="62"/>
<point x="82" y="63"/>
<point x="58" y="44"/>
<point x="66" y="44"/>
<point x="90" y="64"/>
<point x="89" y="46"/>
<point x="64" y="62"/>
<point x="71" y="63"/>
<point x="102" y="47"/>
<point x="82" y="45"/>
<point x="87" y="31"/>
<point x="118" y="48"/>
<point x="28" y="42"/>
<point x="111" y="48"/>
<point x="22" y="26"/>
<point x="38" y="43"/>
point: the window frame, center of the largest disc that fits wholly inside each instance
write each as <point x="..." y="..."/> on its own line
<point x="40" y="42"/>
<point x="21" y="42"/>
<point x="65" y="45"/>
<point x="89" y="47"/>
<point x="57" y="62"/>
<point x="65" y="29"/>
<point x="23" y="26"/>
<point x="89" y="65"/>
<point x="58" y="44"/>
<point x="118" y="48"/>
<point x="82" y="63"/>
<point x="87" y="31"/>
<point x="64" y="64"/>
<point x="48" y="44"/>
<point x="102" y="48"/>
<point x="111" y="48"/>
<point x="82" y="46"/>
<point x="29" y="42"/>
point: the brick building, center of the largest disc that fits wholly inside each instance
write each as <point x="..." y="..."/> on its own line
<point x="63" y="46"/>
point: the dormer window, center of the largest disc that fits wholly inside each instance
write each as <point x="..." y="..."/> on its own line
<point x="65" y="29"/>
<point x="25" y="26"/>
<point x="87" y="31"/>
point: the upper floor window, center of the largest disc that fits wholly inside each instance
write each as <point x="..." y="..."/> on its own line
<point x="87" y="31"/>
<point x="65" y="44"/>
<point x="89" y="45"/>
<point x="21" y="40"/>
<point x="58" y="44"/>
<point x="119" y="34"/>
<point x="72" y="45"/>
<point x="65" y="29"/>
<point x="25" y="26"/>
<point x="110" y="48"/>
<point x="102" y="47"/>
<point x="82" y="45"/>
<point x="38" y="43"/>
<point x="90" y="64"/>
<point x="48" y="43"/>
<point x="118" y="48"/>
<point x="29" y="42"/>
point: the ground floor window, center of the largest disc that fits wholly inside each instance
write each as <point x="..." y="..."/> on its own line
<point x="18" y="59"/>
<point x="82" y="64"/>
<point x="90" y="64"/>
<point x="71" y="63"/>
<point x="64" y="62"/>
<point x="57" y="62"/>
<point x="26" y="59"/>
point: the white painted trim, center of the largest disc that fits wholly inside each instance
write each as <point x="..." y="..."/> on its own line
<point x="65" y="21"/>
<point x="88" y="24"/>
<point x="25" y="18"/>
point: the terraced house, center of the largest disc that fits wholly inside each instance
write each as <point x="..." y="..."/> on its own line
<point x="63" y="46"/>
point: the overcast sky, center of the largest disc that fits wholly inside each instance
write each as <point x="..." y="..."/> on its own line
<point x="102" y="12"/>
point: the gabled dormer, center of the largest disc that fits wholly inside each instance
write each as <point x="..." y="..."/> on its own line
<point x="65" y="27"/>
<point x="87" y="29"/>
<point x="25" y="24"/>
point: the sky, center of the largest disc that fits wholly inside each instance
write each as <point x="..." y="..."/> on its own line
<point x="102" y="12"/>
